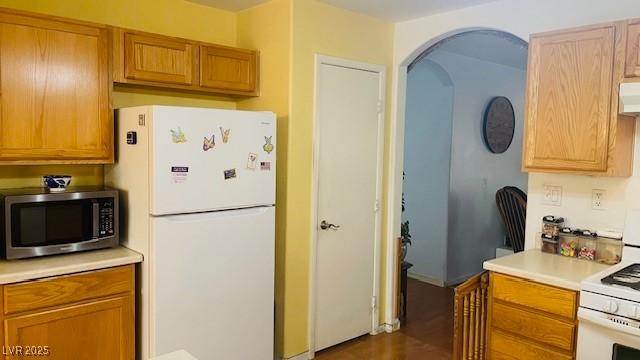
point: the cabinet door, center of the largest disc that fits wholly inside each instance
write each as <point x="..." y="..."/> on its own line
<point x="569" y="100"/>
<point x="158" y="59"/>
<point x="100" y="330"/>
<point x="228" y="69"/>
<point x="55" y="91"/>
<point x="632" y="64"/>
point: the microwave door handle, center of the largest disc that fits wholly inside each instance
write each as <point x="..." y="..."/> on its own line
<point x="96" y="220"/>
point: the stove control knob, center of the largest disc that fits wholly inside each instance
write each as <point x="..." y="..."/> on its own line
<point x="610" y="306"/>
<point x="634" y="312"/>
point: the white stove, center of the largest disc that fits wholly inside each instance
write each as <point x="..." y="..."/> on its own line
<point x="609" y="313"/>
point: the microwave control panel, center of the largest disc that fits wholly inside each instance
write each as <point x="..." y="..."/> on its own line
<point x="106" y="214"/>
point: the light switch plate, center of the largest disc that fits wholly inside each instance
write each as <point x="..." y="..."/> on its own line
<point x="552" y="195"/>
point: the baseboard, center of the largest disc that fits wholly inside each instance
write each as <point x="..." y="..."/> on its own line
<point x="303" y="356"/>
<point x="425" y="279"/>
<point x="458" y="280"/>
<point x="389" y="328"/>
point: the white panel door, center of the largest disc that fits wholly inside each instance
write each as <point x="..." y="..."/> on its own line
<point x="194" y="174"/>
<point x="213" y="284"/>
<point x="348" y="134"/>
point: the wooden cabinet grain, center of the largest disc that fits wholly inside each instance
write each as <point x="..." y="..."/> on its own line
<point x="158" y="59"/>
<point x="529" y="320"/>
<point x="55" y="91"/>
<point x="85" y="316"/>
<point x="154" y="60"/>
<point x="632" y="64"/>
<point x="572" y="122"/>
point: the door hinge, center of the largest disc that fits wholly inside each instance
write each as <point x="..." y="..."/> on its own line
<point x="141" y="119"/>
<point x="374" y="302"/>
<point x="376" y="206"/>
<point x="380" y="106"/>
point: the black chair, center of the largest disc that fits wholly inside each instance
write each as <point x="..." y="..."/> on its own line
<point x="512" y="205"/>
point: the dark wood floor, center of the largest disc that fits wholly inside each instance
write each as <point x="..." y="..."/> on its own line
<point x="427" y="333"/>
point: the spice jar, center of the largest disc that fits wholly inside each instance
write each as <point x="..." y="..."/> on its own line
<point x="568" y="243"/>
<point x="587" y="245"/>
<point x="549" y="244"/>
<point x="552" y="225"/>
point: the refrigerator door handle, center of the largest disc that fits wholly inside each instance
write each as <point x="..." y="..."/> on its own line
<point x="211" y="215"/>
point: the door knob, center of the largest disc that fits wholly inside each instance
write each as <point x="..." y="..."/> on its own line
<point x="324" y="225"/>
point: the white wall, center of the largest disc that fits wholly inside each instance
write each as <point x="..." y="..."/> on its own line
<point x="522" y="18"/>
<point x="427" y="145"/>
<point x="475" y="227"/>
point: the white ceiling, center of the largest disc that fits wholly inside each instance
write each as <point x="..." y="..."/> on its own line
<point x="390" y="10"/>
<point x="399" y="10"/>
<point x="498" y="49"/>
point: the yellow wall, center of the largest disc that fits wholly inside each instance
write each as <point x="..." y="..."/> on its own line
<point x="323" y="29"/>
<point x="267" y="28"/>
<point x="169" y="17"/>
<point x="288" y="34"/>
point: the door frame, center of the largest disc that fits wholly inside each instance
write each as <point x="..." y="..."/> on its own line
<point x="381" y="71"/>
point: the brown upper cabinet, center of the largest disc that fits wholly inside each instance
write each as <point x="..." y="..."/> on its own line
<point x="168" y="62"/>
<point x="572" y="122"/>
<point x="632" y="66"/>
<point x="55" y="91"/>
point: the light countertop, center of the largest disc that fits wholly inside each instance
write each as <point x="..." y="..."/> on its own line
<point x="12" y="271"/>
<point x="545" y="268"/>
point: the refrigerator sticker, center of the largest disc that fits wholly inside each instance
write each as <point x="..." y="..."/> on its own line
<point x="179" y="174"/>
<point x="209" y="144"/>
<point x="268" y="146"/>
<point x="265" y="165"/>
<point x="177" y="136"/>
<point x="230" y="174"/>
<point x="252" y="161"/>
<point x="225" y="134"/>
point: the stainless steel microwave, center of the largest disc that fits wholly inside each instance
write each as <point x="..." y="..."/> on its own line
<point x="37" y="222"/>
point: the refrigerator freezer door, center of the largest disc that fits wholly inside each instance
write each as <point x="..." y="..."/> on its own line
<point x="208" y="159"/>
<point x="213" y="278"/>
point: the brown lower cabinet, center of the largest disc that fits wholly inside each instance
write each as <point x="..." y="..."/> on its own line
<point x="81" y="316"/>
<point x="529" y="320"/>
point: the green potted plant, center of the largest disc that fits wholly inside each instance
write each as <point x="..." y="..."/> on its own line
<point x="405" y="235"/>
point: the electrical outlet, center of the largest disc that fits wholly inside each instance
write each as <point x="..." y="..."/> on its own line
<point x="552" y="195"/>
<point x="598" y="199"/>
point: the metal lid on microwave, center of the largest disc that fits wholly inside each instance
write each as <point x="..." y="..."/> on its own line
<point x="552" y="219"/>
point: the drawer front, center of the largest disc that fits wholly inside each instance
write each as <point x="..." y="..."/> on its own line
<point x="67" y="289"/>
<point x="505" y="347"/>
<point x="534" y="295"/>
<point x="536" y="327"/>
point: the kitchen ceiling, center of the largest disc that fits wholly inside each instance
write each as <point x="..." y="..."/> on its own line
<point x="390" y="10"/>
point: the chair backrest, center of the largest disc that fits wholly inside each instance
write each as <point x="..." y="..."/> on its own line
<point x="512" y="205"/>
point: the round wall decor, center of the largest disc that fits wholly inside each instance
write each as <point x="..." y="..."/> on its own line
<point x="499" y="124"/>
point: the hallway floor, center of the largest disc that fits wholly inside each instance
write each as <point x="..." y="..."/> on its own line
<point x="427" y="333"/>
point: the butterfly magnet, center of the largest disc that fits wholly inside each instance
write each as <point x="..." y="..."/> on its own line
<point x="209" y="144"/>
<point x="268" y="146"/>
<point x="177" y="136"/>
<point x="225" y="134"/>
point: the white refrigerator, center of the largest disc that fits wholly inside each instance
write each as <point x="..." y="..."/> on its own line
<point x="198" y="195"/>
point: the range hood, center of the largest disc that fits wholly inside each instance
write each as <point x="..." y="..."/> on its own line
<point x="630" y="98"/>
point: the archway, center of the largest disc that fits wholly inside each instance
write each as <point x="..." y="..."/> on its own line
<point x="440" y="147"/>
